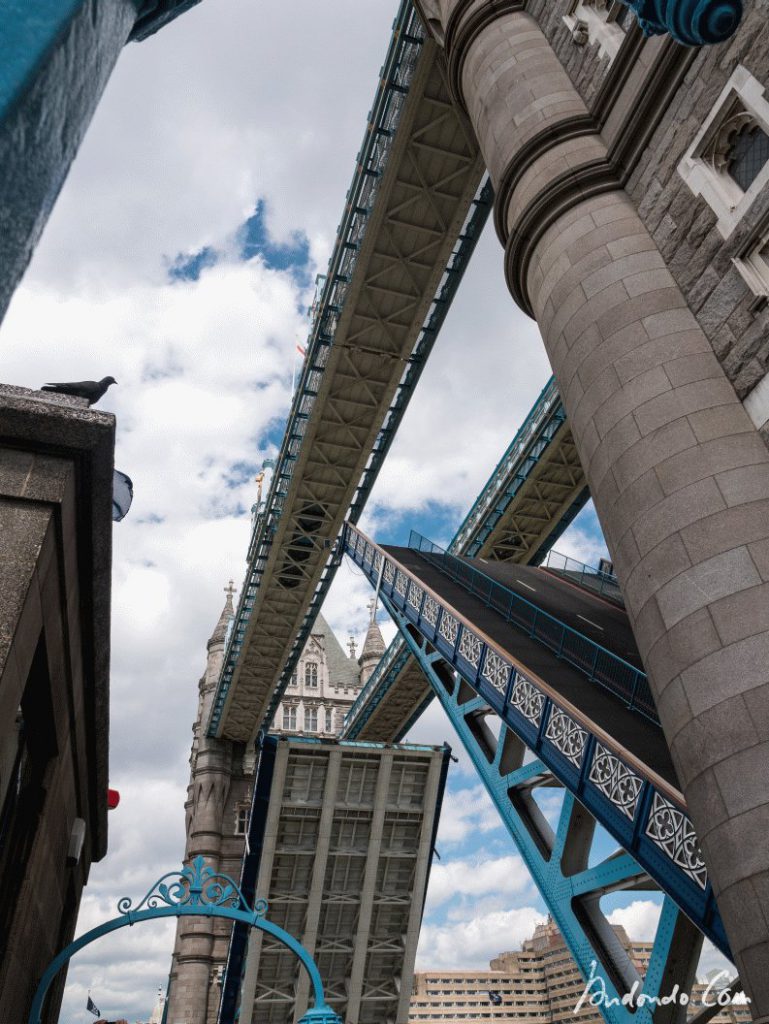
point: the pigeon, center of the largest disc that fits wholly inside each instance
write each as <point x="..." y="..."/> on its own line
<point x="93" y="390"/>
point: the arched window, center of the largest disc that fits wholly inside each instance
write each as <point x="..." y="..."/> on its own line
<point x="311" y="674"/>
<point x="747" y="154"/>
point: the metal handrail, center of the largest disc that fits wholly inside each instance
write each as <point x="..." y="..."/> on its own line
<point x="600" y="665"/>
<point x="588" y="576"/>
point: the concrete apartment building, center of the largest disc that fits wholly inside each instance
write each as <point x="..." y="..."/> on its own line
<point x="55" y="565"/>
<point x="538" y="983"/>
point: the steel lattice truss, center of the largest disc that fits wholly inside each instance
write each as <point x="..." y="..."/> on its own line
<point x="427" y="186"/>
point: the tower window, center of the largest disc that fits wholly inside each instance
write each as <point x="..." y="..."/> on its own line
<point x="311" y="674"/>
<point x="241" y="821"/>
<point x="310" y="719"/>
<point x="727" y="162"/>
<point x="289" y="717"/>
<point x="747" y="155"/>
<point x="329" y="720"/>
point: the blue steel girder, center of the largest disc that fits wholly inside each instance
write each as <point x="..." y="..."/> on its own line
<point x="643" y="813"/>
<point x="557" y="859"/>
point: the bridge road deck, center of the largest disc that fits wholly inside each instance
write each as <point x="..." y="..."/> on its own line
<point x="636" y="733"/>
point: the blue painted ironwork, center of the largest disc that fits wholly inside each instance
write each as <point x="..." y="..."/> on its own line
<point x="532" y="440"/>
<point x="395" y="80"/>
<point x="643" y="813"/>
<point x="194" y="891"/>
<point x="691" y="22"/>
<point x="557" y="859"/>
<point x="591" y="659"/>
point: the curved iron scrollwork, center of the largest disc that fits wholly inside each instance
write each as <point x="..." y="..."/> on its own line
<point x="194" y="886"/>
<point x="691" y="22"/>
<point x="674" y="833"/>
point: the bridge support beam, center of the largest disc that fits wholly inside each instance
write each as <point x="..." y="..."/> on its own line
<point x="678" y="473"/>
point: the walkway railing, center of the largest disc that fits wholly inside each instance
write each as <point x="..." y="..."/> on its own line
<point x="584" y="575"/>
<point x="599" y="665"/>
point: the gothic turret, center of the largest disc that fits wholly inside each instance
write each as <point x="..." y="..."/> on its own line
<point x="373" y="647"/>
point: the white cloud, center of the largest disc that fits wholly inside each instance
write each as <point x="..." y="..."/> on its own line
<point x="472" y="943"/>
<point x="466" y="811"/>
<point x="639" y="919"/>
<point x="498" y="876"/>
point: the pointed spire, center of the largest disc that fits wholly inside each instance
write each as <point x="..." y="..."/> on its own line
<point x="157" y="1013"/>
<point x="228" y="612"/>
<point x="373" y="645"/>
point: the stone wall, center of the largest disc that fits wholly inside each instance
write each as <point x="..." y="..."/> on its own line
<point x="683" y="225"/>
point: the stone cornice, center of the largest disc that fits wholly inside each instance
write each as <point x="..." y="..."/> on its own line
<point x="536" y="146"/>
<point x="460" y="35"/>
<point x="561" y="194"/>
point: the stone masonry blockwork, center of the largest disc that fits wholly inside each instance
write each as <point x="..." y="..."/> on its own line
<point x="678" y="473"/>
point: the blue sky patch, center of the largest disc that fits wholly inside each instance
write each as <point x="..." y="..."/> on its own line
<point x="188" y="266"/>
<point x="254" y="240"/>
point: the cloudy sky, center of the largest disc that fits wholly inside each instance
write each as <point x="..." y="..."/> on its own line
<point x="180" y="258"/>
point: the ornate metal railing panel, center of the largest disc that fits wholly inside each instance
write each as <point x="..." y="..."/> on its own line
<point x="557" y="854"/>
<point x="646" y="815"/>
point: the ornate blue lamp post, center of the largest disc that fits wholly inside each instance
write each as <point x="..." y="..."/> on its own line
<point x="195" y="891"/>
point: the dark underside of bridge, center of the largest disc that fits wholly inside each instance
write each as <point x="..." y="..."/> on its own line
<point x="584" y="612"/>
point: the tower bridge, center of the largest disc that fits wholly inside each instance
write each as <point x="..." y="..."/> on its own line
<point x="530" y="498"/>
<point x="587" y="717"/>
<point x="640" y="416"/>
<point x="628" y="176"/>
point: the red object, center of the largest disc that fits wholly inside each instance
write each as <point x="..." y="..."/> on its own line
<point x="113" y="799"/>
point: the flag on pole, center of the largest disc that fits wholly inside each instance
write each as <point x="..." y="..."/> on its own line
<point x="92" y="1007"/>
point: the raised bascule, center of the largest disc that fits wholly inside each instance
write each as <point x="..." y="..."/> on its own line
<point x="623" y="151"/>
<point x="629" y="178"/>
